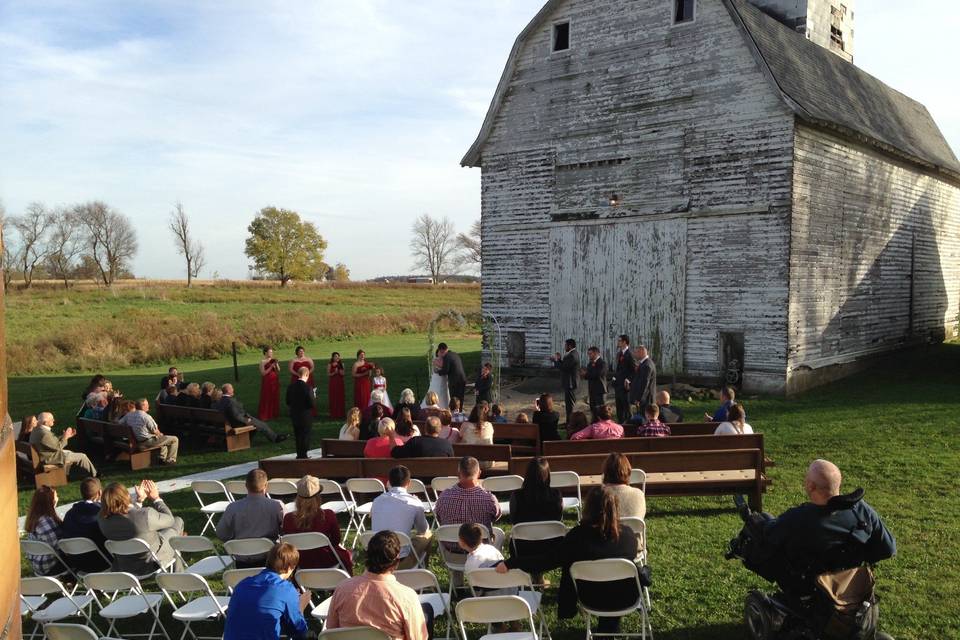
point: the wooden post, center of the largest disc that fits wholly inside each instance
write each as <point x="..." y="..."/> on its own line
<point x="236" y="371"/>
<point x="9" y="536"/>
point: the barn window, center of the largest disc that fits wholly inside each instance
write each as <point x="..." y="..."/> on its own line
<point x="561" y="36"/>
<point x="683" y="11"/>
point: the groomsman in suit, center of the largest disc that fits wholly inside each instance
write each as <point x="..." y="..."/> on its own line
<point x="452" y="367"/>
<point x="569" y="365"/>
<point x="643" y="386"/>
<point x="595" y="374"/>
<point x="622" y="376"/>
<point x="300" y="401"/>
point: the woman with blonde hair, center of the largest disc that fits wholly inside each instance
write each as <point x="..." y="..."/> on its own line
<point x="43" y="525"/>
<point x="381" y="446"/>
<point x="154" y="524"/>
<point x="310" y="516"/>
<point x="351" y="428"/>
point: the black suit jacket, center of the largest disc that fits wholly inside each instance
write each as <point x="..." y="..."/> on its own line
<point x="165" y="382"/>
<point x="453" y="369"/>
<point x="299" y="397"/>
<point x="233" y="411"/>
<point x="643" y="387"/>
<point x="569" y="369"/>
<point x="624" y="369"/>
<point x="596" y="375"/>
<point x="424" y="447"/>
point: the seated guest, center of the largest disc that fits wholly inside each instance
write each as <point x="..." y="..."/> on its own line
<point x="477" y="430"/>
<point x="546" y="418"/>
<point x="183" y="399"/>
<point x="577" y="422"/>
<point x="668" y="412"/>
<point x="535" y="500"/>
<point x="253" y="516"/>
<point x="82" y="521"/>
<point x="169" y="395"/>
<point x="480" y="555"/>
<point x="96" y="406"/>
<point x="431" y="404"/>
<point x="154" y="524"/>
<point x="371" y="420"/>
<point x="484" y="384"/>
<point x="126" y="407"/>
<point x="448" y="432"/>
<point x="397" y="510"/>
<point x="405" y="427"/>
<point x="735" y="424"/>
<point x="383" y="444"/>
<point x="267" y="605"/>
<point x="206" y="389"/>
<point x="409" y="401"/>
<point x="728" y="397"/>
<point x="27" y="424"/>
<point x="522" y="418"/>
<point x="428" y="445"/>
<point x="653" y="428"/>
<point x="173" y="377"/>
<point x="467" y="501"/>
<point x="376" y="599"/>
<point x="43" y="525"/>
<point x="50" y="448"/>
<point x="496" y="415"/>
<point x="351" y="428"/>
<point x="457" y="416"/>
<point x="597" y="537"/>
<point x="237" y="416"/>
<point x="311" y="516"/>
<point x="148" y="434"/>
<point x="616" y="475"/>
<point x="604" y="429"/>
<point x="192" y="393"/>
<point x="95" y="385"/>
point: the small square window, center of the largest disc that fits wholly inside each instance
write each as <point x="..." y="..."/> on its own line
<point x="683" y="11"/>
<point x="561" y="36"/>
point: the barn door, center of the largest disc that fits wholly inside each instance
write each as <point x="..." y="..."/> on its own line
<point x="625" y="277"/>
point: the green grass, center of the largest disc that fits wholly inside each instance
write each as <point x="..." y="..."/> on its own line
<point x="892" y="430"/>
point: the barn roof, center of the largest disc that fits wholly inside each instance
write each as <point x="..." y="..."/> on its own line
<point x="819" y="86"/>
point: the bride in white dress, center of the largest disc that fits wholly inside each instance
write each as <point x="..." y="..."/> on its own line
<point x="438" y="384"/>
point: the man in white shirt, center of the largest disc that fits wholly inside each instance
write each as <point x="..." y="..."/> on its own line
<point x="147" y="433"/>
<point x="397" y="510"/>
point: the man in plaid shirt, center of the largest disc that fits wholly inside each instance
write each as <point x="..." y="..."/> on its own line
<point x="653" y="428"/>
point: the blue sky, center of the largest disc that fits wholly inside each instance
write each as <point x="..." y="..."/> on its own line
<point x="355" y="114"/>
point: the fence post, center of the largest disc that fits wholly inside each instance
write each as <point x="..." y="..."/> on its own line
<point x="236" y="371"/>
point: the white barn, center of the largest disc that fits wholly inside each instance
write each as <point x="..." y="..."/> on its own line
<point x="719" y="181"/>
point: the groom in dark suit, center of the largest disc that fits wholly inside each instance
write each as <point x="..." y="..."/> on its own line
<point x="452" y="367"/>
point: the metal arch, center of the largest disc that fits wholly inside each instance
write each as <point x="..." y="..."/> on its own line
<point x="496" y="321"/>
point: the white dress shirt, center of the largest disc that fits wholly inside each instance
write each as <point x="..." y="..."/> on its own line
<point x="397" y="510"/>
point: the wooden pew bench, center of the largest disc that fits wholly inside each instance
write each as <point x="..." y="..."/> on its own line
<point x="121" y="438"/>
<point x="203" y="422"/>
<point x="29" y="468"/>
<point x="524" y="439"/>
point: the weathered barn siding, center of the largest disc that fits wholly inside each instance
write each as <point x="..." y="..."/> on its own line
<point x="875" y="261"/>
<point x="678" y="121"/>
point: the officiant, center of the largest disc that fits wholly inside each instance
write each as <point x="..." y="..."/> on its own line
<point x="452" y="367"/>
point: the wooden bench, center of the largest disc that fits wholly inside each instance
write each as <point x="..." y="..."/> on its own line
<point x="523" y="438"/>
<point x="693" y="428"/>
<point x="120" y="437"/>
<point x="343" y="468"/>
<point x="677" y="473"/>
<point x="29" y="467"/>
<point x="209" y="422"/>
<point x="354" y="449"/>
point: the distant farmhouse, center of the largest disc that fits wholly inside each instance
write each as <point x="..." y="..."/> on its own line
<point x="716" y="179"/>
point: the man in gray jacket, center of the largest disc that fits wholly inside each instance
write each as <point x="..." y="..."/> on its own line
<point x="154" y="524"/>
<point x="51" y="450"/>
<point x="254" y="516"/>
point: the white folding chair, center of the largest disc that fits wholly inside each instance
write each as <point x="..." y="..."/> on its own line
<point x="248" y="547"/>
<point x="425" y="583"/>
<point x="75" y="547"/>
<point x="513" y="579"/>
<point x="321" y="581"/>
<point x="205" y="607"/>
<point x="236" y="488"/>
<point x="339" y="504"/>
<point x="138" y="547"/>
<point x="610" y="570"/>
<point x="450" y="533"/>
<point x="38" y="548"/>
<point x="638" y="477"/>
<point x="284" y="491"/>
<point x="312" y="540"/>
<point x="135" y="602"/>
<point x="639" y="528"/>
<point x="363" y="486"/>
<point x="214" y="507"/>
<point x="538" y="531"/>
<point x="503" y="484"/>
<point x="233" y="577"/>
<point x="405" y="541"/>
<point x="353" y="633"/>
<point x="491" y="609"/>
<point x="564" y="480"/>
<point x="209" y="565"/>
<point x="59" y="603"/>
<point x="64" y="631"/>
<point x="441" y="484"/>
<point x="417" y="488"/>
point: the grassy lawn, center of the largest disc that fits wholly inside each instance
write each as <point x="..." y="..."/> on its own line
<point x="892" y="430"/>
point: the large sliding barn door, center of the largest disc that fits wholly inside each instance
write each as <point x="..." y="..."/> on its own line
<point x="622" y="277"/>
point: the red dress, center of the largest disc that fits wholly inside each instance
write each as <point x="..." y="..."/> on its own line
<point x="336" y="395"/>
<point x="269" y="406"/>
<point x="361" y="387"/>
<point x="310" y="383"/>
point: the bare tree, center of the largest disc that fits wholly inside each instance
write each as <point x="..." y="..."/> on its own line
<point x="33" y="227"/>
<point x="469" y="244"/>
<point x="434" y="246"/>
<point x="9" y="255"/>
<point x="110" y="239"/>
<point x="65" y="245"/>
<point x="187" y="246"/>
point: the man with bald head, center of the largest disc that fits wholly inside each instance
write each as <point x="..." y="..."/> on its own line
<point x="831" y="532"/>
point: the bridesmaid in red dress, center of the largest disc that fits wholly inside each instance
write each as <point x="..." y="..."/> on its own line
<point x="336" y="393"/>
<point x="269" y="407"/>
<point x="303" y="361"/>
<point x="361" y="380"/>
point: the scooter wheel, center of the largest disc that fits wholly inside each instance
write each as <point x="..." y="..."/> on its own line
<point x="756" y="614"/>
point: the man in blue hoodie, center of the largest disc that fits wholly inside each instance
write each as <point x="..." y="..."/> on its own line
<point x="81" y="522"/>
